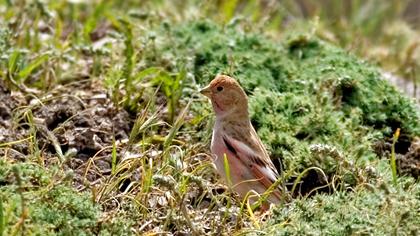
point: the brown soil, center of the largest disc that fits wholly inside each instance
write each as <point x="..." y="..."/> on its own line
<point x="409" y="163"/>
<point x="407" y="151"/>
<point x="80" y="118"/>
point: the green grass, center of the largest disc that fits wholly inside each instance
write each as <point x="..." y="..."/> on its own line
<point x="105" y="132"/>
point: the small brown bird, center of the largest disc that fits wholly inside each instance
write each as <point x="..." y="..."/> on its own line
<point x="251" y="169"/>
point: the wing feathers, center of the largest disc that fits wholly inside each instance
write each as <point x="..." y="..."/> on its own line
<point x="248" y="157"/>
<point x="229" y="146"/>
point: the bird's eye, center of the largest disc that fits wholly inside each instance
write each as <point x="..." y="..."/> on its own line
<point x="220" y="88"/>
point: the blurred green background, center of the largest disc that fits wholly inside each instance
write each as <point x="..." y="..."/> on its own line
<point x="383" y="32"/>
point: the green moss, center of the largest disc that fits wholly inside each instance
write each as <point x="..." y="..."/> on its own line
<point x="52" y="206"/>
<point x="351" y="213"/>
<point x="303" y="65"/>
<point x="299" y="122"/>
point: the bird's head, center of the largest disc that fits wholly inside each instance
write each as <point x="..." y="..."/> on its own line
<point x="227" y="96"/>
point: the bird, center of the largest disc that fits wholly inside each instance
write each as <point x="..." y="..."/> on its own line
<point x="251" y="171"/>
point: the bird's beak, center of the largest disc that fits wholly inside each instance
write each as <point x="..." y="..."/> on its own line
<point x="206" y="91"/>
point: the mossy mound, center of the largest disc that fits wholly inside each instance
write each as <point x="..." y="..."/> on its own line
<point x="320" y="110"/>
<point x="312" y="104"/>
<point x="41" y="201"/>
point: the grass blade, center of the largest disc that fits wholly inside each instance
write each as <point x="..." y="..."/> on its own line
<point x="13" y="61"/>
<point x="113" y="156"/>
<point x="227" y="170"/>
<point x="25" y="72"/>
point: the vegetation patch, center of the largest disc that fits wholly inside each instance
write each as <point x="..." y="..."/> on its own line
<point x="38" y="201"/>
<point x="348" y="213"/>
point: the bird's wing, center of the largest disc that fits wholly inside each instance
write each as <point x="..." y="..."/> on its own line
<point x="261" y="168"/>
